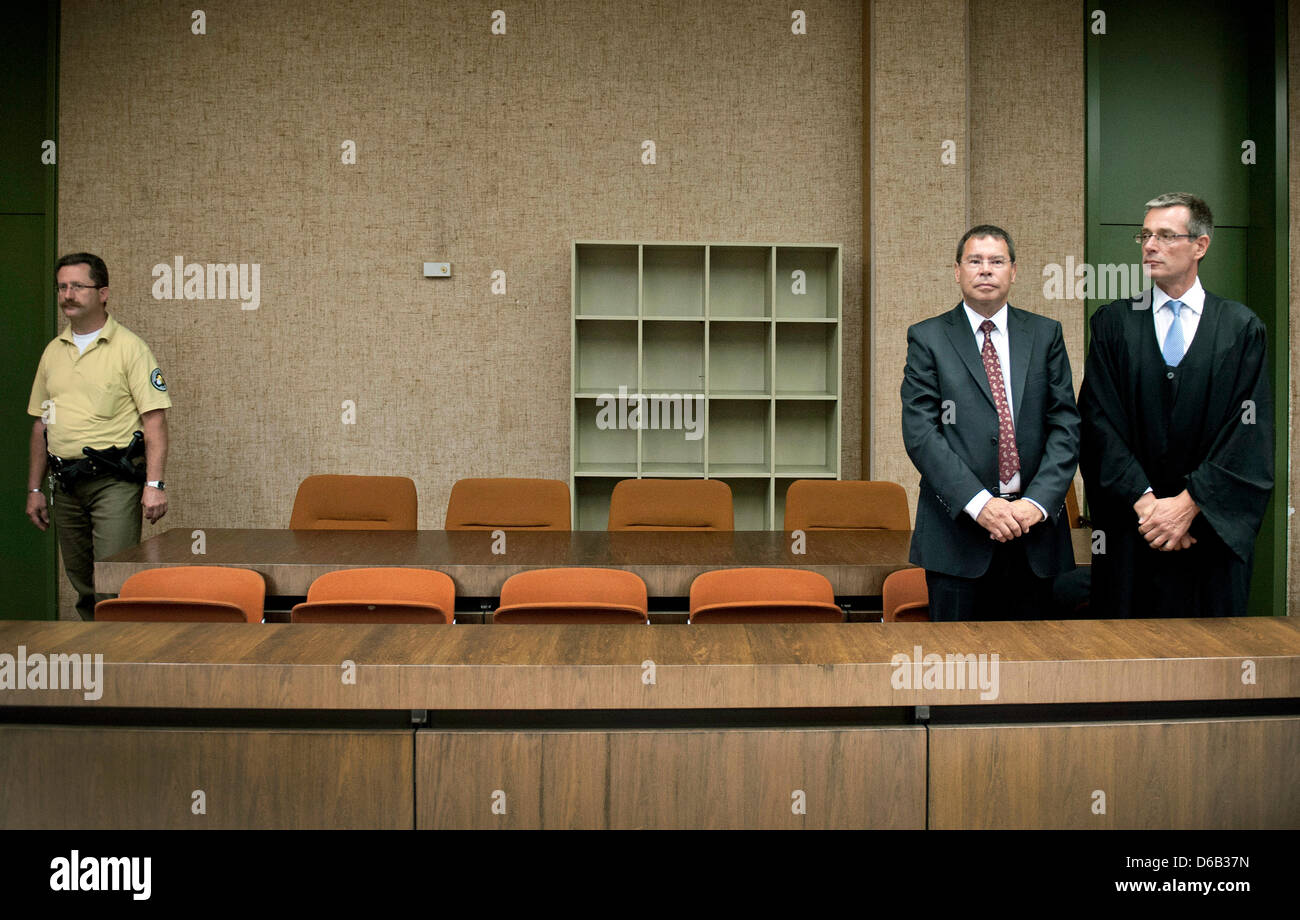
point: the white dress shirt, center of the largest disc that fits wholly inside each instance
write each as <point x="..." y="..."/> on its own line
<point x="1002" y="346"/>
<point x="1189" y="316"/>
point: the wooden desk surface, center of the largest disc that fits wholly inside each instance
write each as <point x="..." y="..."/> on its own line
<point x="856" y="563"/>
<point x="299" y="666"/>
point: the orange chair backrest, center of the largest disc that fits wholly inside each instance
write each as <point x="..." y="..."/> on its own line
<point x="1072" y="508"/>
<point x="330" y="502"/>
<point x="573" y="595"/>
<point x="671" y="504"/>
<point x="188" y="593"/>
<point x="905" y="597"/>
<point x="830" y="504"/>
<point x="508" y="504"/>
<point x="763" y="596"/>
<point x="378" y="595"/>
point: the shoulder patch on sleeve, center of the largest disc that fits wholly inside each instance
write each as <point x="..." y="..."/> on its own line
<point x="156" y="378"/>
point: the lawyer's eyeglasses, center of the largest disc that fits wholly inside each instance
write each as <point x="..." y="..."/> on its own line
<point x="76" y="287"/>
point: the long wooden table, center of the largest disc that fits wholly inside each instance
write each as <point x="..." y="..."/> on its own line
<point x="1177" y="723"/>
<point x="856" y="563"/>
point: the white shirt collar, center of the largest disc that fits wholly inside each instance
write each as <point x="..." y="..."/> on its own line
<point x="999" y="319"/>
<point x="1193" y="297"/>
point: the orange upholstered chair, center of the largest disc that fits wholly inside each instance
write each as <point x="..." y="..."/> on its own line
<point x="575" y="595"/>
<point x="763" y="596"/>
<point x="355" y="503"/>
<point x="508" y="504"/>
<point x="391" y="595"/>
<point x="188" y="593"/>
<point x="831" y="504"/>
<point x="671" y="504"/>
<point x="906" y="599"/>
<point x="1072" y="508"/>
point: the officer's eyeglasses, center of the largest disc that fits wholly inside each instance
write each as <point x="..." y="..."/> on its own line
<point x="76" y="287"/>
<point x="1164" y="237"/>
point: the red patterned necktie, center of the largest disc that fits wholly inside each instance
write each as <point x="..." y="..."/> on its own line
<point x="1008" y="456"/>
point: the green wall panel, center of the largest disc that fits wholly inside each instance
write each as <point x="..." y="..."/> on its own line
<point x="24" y="104"/>
<point x="1174" y="113"/>
<point x="28" y="116"/>
<point x="26" y="577"/>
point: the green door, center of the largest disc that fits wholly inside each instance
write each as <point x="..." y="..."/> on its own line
<point x="27" y="228"/>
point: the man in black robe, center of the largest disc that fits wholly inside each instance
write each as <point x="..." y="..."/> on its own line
<point x="1177" y="433"/>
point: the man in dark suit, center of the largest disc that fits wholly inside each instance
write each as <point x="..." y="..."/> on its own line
<point x="989" y="420"/>
<point x="1177" y="433"/>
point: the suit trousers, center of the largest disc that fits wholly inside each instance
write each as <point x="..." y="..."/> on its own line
<point x="1009" y="590"/>
<point x="95" y="519"/>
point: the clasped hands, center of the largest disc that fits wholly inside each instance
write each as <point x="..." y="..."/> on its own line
<point x="1164" y="522"/>
<point x="1006" y="520"/>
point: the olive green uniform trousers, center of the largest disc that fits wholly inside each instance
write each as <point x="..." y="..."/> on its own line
<point x="95" y="518"/>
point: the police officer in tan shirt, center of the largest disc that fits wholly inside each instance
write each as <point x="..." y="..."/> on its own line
<point x="96" y="386"/>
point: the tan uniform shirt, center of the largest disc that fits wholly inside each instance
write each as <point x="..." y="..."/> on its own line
<point x="96" y="399"/>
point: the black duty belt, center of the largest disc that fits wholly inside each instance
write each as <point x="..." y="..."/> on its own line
<point x="118" y="462"/>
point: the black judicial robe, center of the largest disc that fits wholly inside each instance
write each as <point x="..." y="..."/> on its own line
<point x="1206" y="426"/>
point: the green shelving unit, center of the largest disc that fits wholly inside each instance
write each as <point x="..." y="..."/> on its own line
<point x="713" y="360"/>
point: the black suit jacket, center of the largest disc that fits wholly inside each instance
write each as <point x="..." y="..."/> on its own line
<point x="950" y="430"/>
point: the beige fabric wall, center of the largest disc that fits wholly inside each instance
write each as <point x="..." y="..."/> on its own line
<point x="1012" y="99"/>
<point x="919" y="205"/>
<point x="1028" y="145"/>
<point x="488" y="151"/>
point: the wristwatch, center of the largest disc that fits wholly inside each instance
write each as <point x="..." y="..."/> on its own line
<point x="156" y="484"/>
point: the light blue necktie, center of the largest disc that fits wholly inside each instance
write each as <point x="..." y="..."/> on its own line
<point x="1174" y="349"/>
